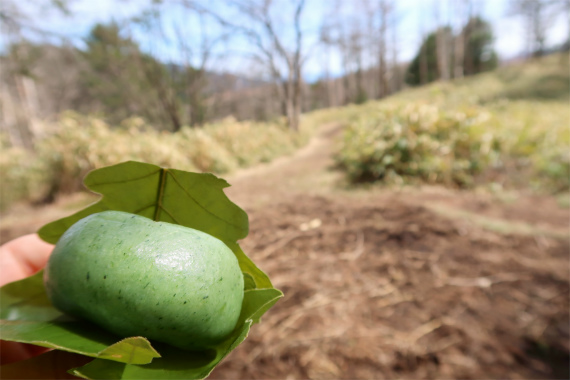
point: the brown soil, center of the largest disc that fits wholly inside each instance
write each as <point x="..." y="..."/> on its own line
<point x="382" y="288"/>
<point x="392" y="283"/>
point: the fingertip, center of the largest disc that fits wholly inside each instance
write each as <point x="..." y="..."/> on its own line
<point x="22" y="257"/>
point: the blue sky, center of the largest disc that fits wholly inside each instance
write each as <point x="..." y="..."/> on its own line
<point x="509" y="32"/>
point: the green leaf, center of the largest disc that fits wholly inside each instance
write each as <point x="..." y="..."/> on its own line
<point x="266" y="298"/>
<point x="134" y="350"/>
<point x="189" y="199"/>
<point x="260" y="279"/>
<point x="179" y="364"/>
<point x="27" y="300"/>
<point x="194" y="200"/>
<point x="248" y="282"/>
<point x="28" y="317"/>
<point x="175" y="364"/>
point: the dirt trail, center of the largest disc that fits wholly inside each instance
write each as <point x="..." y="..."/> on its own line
<point x="308" y="171"/>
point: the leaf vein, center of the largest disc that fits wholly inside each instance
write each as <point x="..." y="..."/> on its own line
<point x="144" y="208"/>
<point x="124" y="181"/>
<point x="202" y="207"/>
<point x="169" y="214"/>
<point x="160" y="194"/>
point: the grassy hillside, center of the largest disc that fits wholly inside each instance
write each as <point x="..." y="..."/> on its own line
<point x="510" y="126"/>
<point x="76" y="144"/>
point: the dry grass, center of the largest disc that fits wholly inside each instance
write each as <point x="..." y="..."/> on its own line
<point x="76" y="144"/>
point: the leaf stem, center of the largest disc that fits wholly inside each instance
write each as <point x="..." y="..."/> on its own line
<point x="160" y="193"/>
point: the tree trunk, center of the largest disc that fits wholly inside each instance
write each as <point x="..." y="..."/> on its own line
<point x="396" y="80"/>
<point x="458" y="56"/>
<point x="9" y="119"/>
<point x="292" y="117"/>
<point x="382" y="87"/>
<point x="289" y="101"/>
<point x="468" y="68"/>
<point x="459" y="41"/>
<point x="423" y="63"/>
<point x="331" y="102"/>
<point x="442" y="55"/>
<point x="360" y="91"/>
<point x="294" y="99"/>
<point x="24" y="122"/>
<point x="382" y="83"/>
<point x="346" y="79"/>
<point x="296" y="116"/>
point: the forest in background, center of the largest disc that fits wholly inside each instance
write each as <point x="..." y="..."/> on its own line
<point x="67" y="109"/>
<point x="114" y="77"/>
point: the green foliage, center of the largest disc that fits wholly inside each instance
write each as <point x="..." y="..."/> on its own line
<point x="23" y="56"/>
<point x="416" y="141"/>
<point x="190" y="199"/>
<point x="478" y="56"/>
<point x="361" y="96"/>
<point x="120" y="80"/>
<point x="543" y="79"/>
<point x="22" y="177"/>
<point x="428" y="52"/>
<point x="112" y="77"/>
<point x="486" y="128"/>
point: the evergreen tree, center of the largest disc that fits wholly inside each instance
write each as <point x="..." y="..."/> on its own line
<point x="427" y="52"/>
<point x="113" y="82"/>
<point x="479" y="55"/>
<point x="122" y="81"/>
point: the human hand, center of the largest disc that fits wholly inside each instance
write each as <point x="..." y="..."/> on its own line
<point x="21" y="258"/>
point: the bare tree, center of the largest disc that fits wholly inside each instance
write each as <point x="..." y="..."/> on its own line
<point x="461" y="8"/>
<point x="19" y="101"/>
<point x="397" y="79"/>
<point x="566" y="10"/>
<point x="442" y="45"/>
<point x="423" y="52"/>
<point x="346" y="57"/>
<point x="385" y="8"/>
<point x="327" y="42"/>
<point x="335" y="38"/>
<point x="284" y="64"/>
<point x="179" y="85"/>
<point x="356" y="50"/>
<point x="538" y="16"/>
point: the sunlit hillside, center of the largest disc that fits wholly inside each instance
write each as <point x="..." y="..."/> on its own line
<point x="509" y="127"/>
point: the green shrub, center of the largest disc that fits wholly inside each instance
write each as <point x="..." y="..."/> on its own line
<point x="522" y="142"/>
<point x="21" y="177"/>
<point x="513" y="133"/>
<point x="416" y="141"/>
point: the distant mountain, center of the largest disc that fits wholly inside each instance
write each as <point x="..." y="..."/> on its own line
<point x="221" y="82"/>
